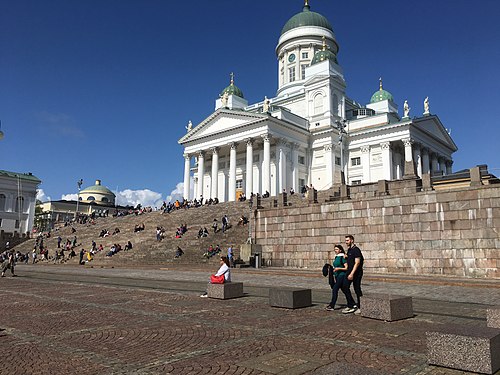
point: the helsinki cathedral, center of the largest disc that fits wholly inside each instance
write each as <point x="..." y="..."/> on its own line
<point x="311" y="132"/>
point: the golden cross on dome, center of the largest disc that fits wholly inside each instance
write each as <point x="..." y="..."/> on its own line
<point x="232" y="77"/>
<point x="380" y="83"/>
<point x="306" y="3"/>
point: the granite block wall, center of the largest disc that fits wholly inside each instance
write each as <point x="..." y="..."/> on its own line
<point x="406" y="229"/>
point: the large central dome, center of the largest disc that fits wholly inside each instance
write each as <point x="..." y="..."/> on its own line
<point x="306" y="18"/>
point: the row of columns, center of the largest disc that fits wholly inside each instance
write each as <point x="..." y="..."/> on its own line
<point x="266" y="168"/>
<point x="424" y="159"/>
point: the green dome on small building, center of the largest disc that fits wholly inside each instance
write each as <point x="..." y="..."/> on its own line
<point x="381" y="95"/>
<point x="97" y="194"/>
<point x="232" y="89"/>
<point x="306" y="18"/>
<point x="324" y="54"/>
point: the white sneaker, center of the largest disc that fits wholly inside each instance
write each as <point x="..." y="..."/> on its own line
<point x="357" y="312"/>
<point x="348" y="310"/>
<point x="204" y="295"/>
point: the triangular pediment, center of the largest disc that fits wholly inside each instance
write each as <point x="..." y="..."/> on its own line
<point x="433" y="126"/>
<point x="221" y="121"/>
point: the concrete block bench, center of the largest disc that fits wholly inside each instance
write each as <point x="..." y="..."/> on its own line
<point x="290" y="298"/>
<point x="493" y="317"/>
<point x="386" y="307"/>
<point x="225" y="291"/>
<point x="465" y="348"/>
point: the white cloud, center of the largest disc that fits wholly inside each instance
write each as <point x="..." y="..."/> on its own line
<point x="40" y="195"/>
<point x="69" y="197"/>
<point x="143" y="197"/>
<point x="178" y="192"/>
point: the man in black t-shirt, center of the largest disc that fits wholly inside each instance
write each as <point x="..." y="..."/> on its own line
<point x="354" y="274"/>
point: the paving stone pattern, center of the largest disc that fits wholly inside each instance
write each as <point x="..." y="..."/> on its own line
<point x="69" y="320"/>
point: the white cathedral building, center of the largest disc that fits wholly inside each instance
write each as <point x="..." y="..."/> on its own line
<point x="311" y="133"/>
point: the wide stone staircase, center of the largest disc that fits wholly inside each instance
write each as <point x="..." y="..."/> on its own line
<point x="146" y="249"/>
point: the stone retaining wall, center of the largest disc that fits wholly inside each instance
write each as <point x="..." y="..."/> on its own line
<point x="401" y="227"/>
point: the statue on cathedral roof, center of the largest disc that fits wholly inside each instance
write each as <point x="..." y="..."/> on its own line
<point x="406" y="109"/>
<point x="224" y="97"/>
<point x="266" y="106"/>
<point x="426" y="106"/>
<point x="189" y="126"/>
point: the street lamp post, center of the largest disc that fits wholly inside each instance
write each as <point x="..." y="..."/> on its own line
<point x="250" y="205"/>
<point x="79" y="183"/>
<point x="341" y="125"/>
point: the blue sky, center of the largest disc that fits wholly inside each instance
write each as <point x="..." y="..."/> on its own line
<point x="102" y="89"/>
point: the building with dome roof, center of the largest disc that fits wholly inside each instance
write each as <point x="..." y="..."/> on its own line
<point x="95" y="199"/>
<point x="311" y="132"/>
<point x="97" y="194"/>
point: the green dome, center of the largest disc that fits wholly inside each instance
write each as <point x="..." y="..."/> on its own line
<point x="381" y="95"/>
<point x="324" y="54"/>
<point x="232" y="89"/>
<point x="306" y="18"/>
<point x="97" y="188"/>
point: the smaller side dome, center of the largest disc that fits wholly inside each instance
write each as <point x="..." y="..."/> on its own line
<point x="232" y="89"/>
<point x="381" y="94"/>
<point x="324" y="54"/>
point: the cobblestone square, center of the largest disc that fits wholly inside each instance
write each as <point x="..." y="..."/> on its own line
<point x="76" y="322"/>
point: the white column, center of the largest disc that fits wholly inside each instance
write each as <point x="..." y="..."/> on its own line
<point x="425" y="160"/>
<point x="365" y="163"/>
<point x="232" y="172"/>
<point x="215" y="172"/>
<point x="187" y="167"/>
<point x="281" y="165"/>
<point x="249" y="176"/>
<point x="386" y="160"/>
<point x="201" y="173"/>
<point x="449" y="164"/>
<point x="266" y="164"/>
<point x="417" y="156"/>
<point x="295" y="172"/>
<point x="329" y="151"/>
<point x="408" y="149"/>
<point x="442" y="166"/>
<point x="434" y="162"/>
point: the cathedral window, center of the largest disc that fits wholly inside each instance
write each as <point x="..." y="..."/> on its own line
<point x="2" y="202"/>
<point x="17" y="224"/>
<point x="303" y="71"/>
<point x="318" y="104"/>
<point x="239" y="184"/>
<point x="356" y="182"/>
<point x="305" y="55"/>
<point x="355" y="161"/>
<point x="302" y="160"/>
<point x="337" y="160"/>
<point x="91" y="198"/>
<point x="291" y="74"/>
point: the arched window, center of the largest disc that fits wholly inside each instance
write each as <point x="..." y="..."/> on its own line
<point x="2" y="202"/>
<point x="91" y="198"/>
<point x="19" y="204"/>
<point x="104" y="199"/>
<point x="318" y="104"/>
